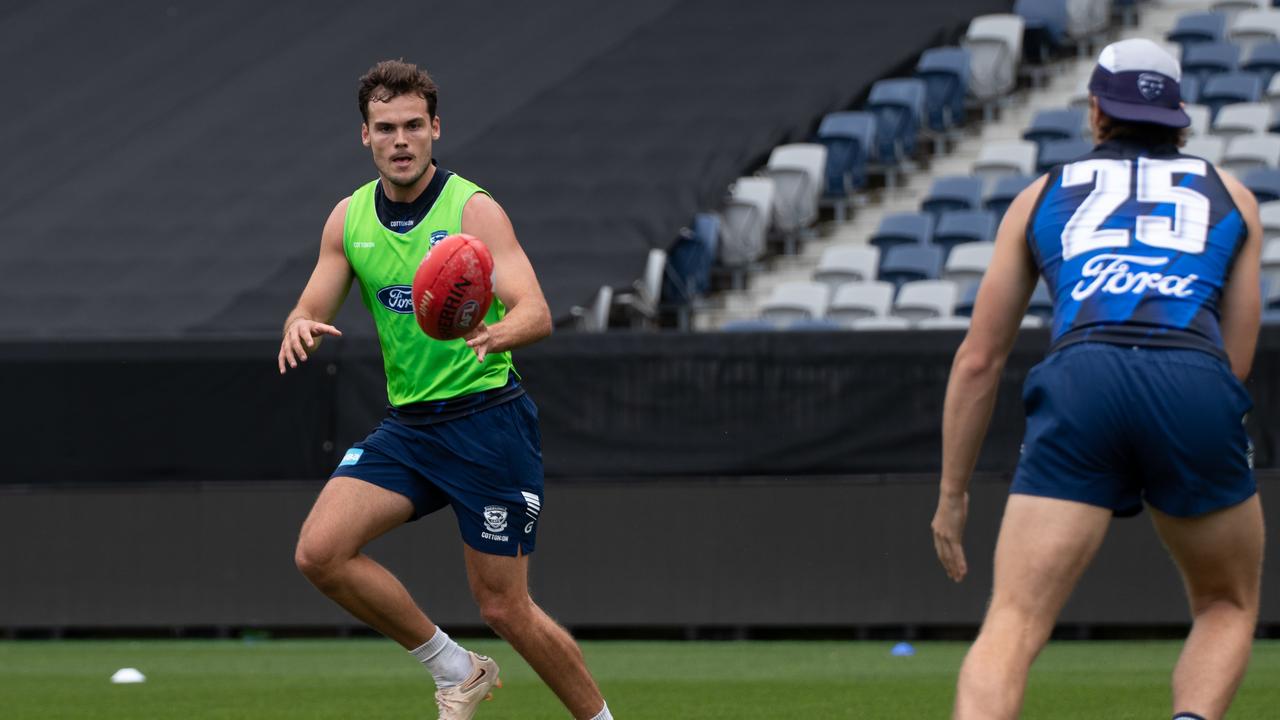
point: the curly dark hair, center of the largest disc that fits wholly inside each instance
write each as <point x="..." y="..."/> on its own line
<point x="1146" y="134"/>
<point x="392" y="78"/>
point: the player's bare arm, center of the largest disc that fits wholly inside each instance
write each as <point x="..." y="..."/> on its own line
<point x="975" y="374"/>
<point x="1241" y="297"/>
<point x="309" y="322"/>
<point x="528" y="318"/>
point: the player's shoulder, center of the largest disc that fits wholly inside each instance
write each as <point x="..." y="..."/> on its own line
<point x="481" y="208"/>
<point x="1243" y="196"/>
<point x="1025" y="201"/>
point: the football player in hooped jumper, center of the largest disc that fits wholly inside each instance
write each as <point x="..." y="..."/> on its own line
<point x="1152" y="259"/>
<point x="458" y="432"/>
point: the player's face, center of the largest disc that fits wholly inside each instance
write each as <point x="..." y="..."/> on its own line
<point x="400" y="133"/>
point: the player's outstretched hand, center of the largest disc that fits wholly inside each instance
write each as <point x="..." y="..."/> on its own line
<point x="302" y="333"/>
<point x="948" y="533"/>
<point x="480" y="340"/>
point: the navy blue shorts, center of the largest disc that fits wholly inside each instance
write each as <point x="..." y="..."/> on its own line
<point x="487" y="466"/>
<point x="1112" y="426"/>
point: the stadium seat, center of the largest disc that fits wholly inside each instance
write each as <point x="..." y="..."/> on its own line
<point x="968" y="262"/>
<point x="964" y="226"/>
<point x="905" y="263"/>
<point x="954" y="192"/>
<point x="1271" y="270"/>
<point x="1269" y="212"/>
<point x="850" y="139"/>
<point x="1199" y="115"/>
<point x="1206" y="146"/>
<point x="1242" y="119"/>
<point x="594" y="319"/>
<point x="968" y="296"/>
<point x="898" y="106"/>
<point x="1041" y="304"/>
<point x="1190" y="88"/>
<point x="881" y="323"/>
<point x="1231" y="8"/>
<point x="1032" y="321"/>
<point x="797" y="171"/>
<point x="841" y="264"/>
<point x="1055" y="125"/>
<point x="857" y="300"/>
<point x="642" y="301"/>
<point x="1251" y="152"/>
<point x="925" y="299"/>
<point x="747" y="215"/>
<point x="1059" y="152"/>
<point x="796" y="300"/>
<point x="1045" y="33"/>
<point x="1263" y="60"/>
<point x="995" y="42"/>
<point x="1204" y="60"/>
<point x="1006" y="157"/>
<point x="1080" y="97"/>
<point x="1252" y="27"/>
<point x="950" y="322"/>
<point x="1237" y="87"/>
<point x="1004" y="190"/>
<point x="1273" y="96"/>
<point x="690" y="261"/>
<point x="1265" y="184"/>
<point x="945" y="72"/>
<point x="1198" y="27"/>
<point x="903" y="228"/>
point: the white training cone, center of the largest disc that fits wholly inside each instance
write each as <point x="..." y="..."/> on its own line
<point x="128" y="675"/>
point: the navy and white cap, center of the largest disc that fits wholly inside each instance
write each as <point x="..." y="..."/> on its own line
<point x="1137" y="81"/>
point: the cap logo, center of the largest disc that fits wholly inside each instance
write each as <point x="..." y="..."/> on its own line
<point x="1150" y="85"/>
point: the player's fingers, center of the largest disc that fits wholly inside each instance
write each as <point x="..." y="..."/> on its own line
<point x="280" y="358"/>
<point x="321" y="328"/>
<point x="299" y="354"/>
<point x="962" y="567"/>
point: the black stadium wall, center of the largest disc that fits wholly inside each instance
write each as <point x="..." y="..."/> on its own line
<point x="777" y="480"/>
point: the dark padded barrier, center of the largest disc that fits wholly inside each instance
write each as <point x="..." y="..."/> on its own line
<point x="220" y="140"/>
<point x="613" y="405"/>
<point x="755" y="552"/>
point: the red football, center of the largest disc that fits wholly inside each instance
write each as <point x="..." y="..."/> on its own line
<point x="453" y="287"/>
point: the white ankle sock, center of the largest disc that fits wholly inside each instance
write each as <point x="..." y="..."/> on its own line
<point x="448" y="662"/>
<point x="604" y="714"/>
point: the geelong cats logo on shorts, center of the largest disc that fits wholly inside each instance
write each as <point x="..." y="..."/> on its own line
<point x="1150" y="85"/>
<point x="397" y="298"/>
<point x="495" y="518"/>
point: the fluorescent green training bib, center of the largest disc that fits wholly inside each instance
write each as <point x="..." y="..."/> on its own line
<point x="419" y="368"/>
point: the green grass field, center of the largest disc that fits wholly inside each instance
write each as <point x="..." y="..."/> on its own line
<point x="316" y="679"/>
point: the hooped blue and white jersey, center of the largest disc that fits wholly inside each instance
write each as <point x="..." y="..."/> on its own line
<point x="1135" y="245"/>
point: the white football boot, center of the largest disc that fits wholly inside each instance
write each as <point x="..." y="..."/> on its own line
<point x="461" y="701"/>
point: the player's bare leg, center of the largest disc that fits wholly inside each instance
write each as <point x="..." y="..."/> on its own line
<point x="1044" y="546"/>
<point x="348" y="515"/>
<point x="500" y="585"/>
<point x="1220" y="556"/>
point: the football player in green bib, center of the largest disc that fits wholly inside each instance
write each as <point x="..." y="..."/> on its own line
<point x="459" y="432"/>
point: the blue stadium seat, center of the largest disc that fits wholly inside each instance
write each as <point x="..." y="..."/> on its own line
<point x="1041" y="304"/>
<point x="1204" y="60"/>
<point x="898" y="105"/>
<point x="1263" y="61"/>
<point x="1058" y="152"/>
<point x="902" y="229"/>
<point x="1045" y="28"/>
<point x="955" y="192"/>
<point x="690" y="260"/>
<point x="1229" y="88"/>
<point x="1200" y="27"/>
<point x="906" y="263"/>
<point x="1055" y="125"/>
<point x="1002" y="193"/>
<point x="815" y="325"/>
<point x="1190" y="90"/>
<point x="945" y="72"/>
<point x="850" y="140"/>
<point x="1265" y="184"/>
<point x="964" y="226"/>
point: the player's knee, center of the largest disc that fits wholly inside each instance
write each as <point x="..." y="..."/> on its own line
<point x="504" y="613"/>
<point x="1224" y="600"/>
<point x="315" y="561"/>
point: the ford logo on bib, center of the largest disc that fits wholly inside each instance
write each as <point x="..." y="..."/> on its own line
<point x="397" y="298"/>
